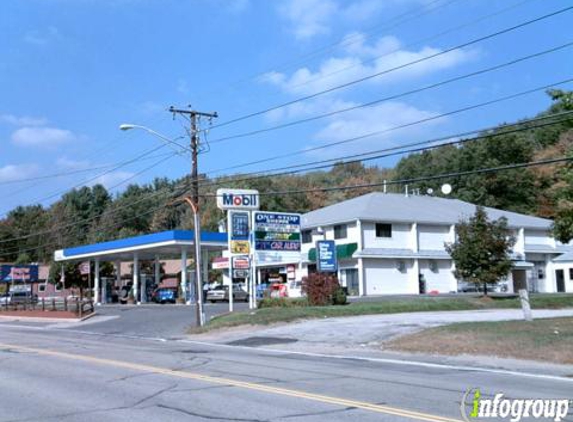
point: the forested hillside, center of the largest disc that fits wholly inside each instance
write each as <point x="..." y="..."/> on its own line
<point x="91" y="214"/>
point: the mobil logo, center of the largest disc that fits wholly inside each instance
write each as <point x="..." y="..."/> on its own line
<point x="246" y="199"/>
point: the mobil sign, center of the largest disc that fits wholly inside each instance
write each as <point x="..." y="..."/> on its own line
<point x="237" y="199"/>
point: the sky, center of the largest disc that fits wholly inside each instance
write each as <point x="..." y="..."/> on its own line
<point x="72" y="71"/>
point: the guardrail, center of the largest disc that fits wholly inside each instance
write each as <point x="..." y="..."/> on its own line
<point x="80" y="307"/>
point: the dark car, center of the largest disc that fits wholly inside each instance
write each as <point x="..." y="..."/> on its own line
<point x="221" y="293"/>
<point x="164" y="295"/>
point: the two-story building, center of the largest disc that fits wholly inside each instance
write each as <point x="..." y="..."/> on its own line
<point x="395" y="244"/>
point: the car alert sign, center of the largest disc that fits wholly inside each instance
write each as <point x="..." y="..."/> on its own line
<point x="238" y="199"/>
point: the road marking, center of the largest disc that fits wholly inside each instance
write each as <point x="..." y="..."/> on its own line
<point x="388" y="410"/>
<point x="464" y="368"/>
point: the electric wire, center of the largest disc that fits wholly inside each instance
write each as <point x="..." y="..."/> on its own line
<point x="395" y="68"/>
<point x="400" y="95"/>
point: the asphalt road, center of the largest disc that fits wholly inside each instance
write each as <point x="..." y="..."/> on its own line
<point x="151" y="320"/>
<point x="70" y="375"/>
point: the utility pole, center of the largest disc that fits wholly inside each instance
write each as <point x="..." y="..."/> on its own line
<point x="193" y="116"/>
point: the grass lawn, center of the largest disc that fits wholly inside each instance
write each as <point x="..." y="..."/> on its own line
<point x="387" y="306"/>
<point x="549" y="340"/>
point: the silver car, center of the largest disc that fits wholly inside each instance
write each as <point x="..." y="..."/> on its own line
<point x="221" y="293"/>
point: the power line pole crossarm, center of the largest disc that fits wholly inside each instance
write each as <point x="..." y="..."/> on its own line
<point x="193" y="116"/>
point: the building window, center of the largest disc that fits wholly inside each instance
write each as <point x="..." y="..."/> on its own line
<point x="383" y="230"/>
<point x="340" y="231"/>
<point x="570" y="273"/>
<point x="58" y="286"/>
<point x="306" y="236"/>
<point x="42" y="287"/>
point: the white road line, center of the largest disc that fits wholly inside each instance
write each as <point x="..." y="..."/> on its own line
<point x="463" y="368"/>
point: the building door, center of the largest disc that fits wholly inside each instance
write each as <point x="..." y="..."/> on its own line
<point x="560" y="277"/>
<point x="352" y="281"/>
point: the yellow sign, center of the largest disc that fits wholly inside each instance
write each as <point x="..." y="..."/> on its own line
<point x="240" y="247"/>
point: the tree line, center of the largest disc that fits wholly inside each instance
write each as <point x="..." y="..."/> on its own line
<point x="90" y="214"/>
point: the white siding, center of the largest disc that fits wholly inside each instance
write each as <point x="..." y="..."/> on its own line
<point x="566" y="267"/>
<point x="382" y="277"/>
<point x="440" y="280"/>
<point x="401" y="237"/>
<point x="538" y="237"/>
<point x="433" y="237"/>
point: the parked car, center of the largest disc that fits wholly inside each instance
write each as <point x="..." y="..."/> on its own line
<point x="5" y="299"/>
<point x="18" y="297"/>
<point x="164" y="295"/>
<point x="465" y="287"/>
<point x="221" y="293"/>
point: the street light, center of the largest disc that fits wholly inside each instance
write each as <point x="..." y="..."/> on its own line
<point x="192" y="203"/>
<point x="170" y="142"/>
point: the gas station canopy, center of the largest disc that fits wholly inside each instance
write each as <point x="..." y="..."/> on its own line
<point x="146" y="246"/>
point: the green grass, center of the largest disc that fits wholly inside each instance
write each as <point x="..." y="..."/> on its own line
<point x="549" y="340"/>
<point x="268" y="316"/>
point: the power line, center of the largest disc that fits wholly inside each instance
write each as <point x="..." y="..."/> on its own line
<point x="394" y="128"/>
<point x="342" y="42"/>
<point x="504" y="132"/>
<point x="400" y="95"/>
<point x="486" y="170"/>
<point x="72" y="172"/>
<point x="400" y="150"/>
<point x="412" y="44"/>
<point x="178" y="189"/>
<point x="393" y="69"/>
<point x="419" y="179"/>
<point x="83" y="183"/>
<point x="54" y="243"/>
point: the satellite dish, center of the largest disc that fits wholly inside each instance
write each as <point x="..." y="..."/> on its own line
<point x="430" y="191"/>
<point x="446" y="188"/>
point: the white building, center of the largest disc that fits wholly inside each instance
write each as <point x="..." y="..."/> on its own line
<point x="387" y="243"/>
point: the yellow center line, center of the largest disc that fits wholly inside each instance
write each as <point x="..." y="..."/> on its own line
<point x="236" y="383"/>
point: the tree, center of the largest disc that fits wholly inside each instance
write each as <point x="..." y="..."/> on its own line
<point x="72" y="275"/>
<point x="481" y="249"/>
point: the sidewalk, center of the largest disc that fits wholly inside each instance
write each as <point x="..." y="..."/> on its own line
<point x="362" y="337"/>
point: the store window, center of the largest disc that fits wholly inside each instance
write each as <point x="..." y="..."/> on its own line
<point x="306" y="236"/>
<point x="340" y="231"/>
<point x="383" y="230"/>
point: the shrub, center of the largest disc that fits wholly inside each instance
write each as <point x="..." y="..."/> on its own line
<point x="321" y="290"/>
<point x="339" y="297"/>
<point x="282" y="302"/>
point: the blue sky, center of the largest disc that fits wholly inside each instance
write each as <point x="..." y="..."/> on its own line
<point x="71" y="71"/>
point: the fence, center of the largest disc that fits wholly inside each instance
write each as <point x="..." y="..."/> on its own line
<point x="79" y="306"/>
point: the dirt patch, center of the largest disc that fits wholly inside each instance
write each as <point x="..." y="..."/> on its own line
<point x="548" y="340"/>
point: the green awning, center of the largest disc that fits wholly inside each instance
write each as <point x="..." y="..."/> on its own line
<point x="344" y="251"/>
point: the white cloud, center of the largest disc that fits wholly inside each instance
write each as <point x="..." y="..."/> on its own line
<point x="41" y="37"/>
<point x="42" y="136"/>
<point x="381" y="118"/>
<point x="14" y="172"/>
<point x="362" y="60"/>
<point x="308" y="17"/>
<point x="23" y="120"/>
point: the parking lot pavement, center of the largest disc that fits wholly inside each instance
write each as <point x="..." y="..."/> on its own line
<point x="150" y="320"/>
